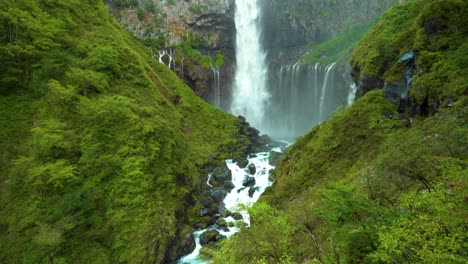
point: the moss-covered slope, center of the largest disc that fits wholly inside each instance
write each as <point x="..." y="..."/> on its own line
<point x="100" y="145"/>
<point x="373" y="185"/>
<point x="436" y="31"/>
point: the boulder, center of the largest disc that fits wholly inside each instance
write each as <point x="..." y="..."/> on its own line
<point x="221" y="222"/>
<point x="209" y="220"/>
<point x="248" y="181"/>
<point x="221" y="174"/>
<point x="209" y="236"/>
<point x="252" y="169"/>
<point x="252" y="190"/>
<point x="242" y="162"/>
<point x="186" y="243"/>
<point x="228" y="186"/>
<point x="218" y="194"/>
<point x="237" y="216"/>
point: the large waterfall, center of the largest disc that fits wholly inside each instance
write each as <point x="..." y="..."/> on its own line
<point x="250" y="95"/>
<point x="303" y="96"/>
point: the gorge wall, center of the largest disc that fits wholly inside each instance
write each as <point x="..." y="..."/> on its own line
<point x="206" y="26"/>
<point x="288" y="28"/>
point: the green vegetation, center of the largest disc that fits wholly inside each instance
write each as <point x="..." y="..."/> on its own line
<point x="372" y="185"/>
<point x="100" y="146"/>
<point x="337" y="48"/>
<point x="436" y="30"/>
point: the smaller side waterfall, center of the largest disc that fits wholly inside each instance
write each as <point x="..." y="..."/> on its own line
<point x="216" y="87"/>
<point x="170" y="57"/>
<point x="328" y="69"/>
<point x="352" y="94"/>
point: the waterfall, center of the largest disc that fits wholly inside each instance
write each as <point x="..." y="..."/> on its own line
<point x="170" y="57"/>
<point x="352" y="93"/>
<point x="302" y="96"/>
<point x="324" y="90"/>
<point x="216" y="87"/>
<point x="250" y="95"/>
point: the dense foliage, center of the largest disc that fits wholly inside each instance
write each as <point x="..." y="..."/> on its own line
<point x="100" y="145"/>
<point x="372" y="185"/>
<point x="436" y="31"/>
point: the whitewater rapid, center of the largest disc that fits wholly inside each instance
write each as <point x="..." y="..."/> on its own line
<point x="236" y="197"/>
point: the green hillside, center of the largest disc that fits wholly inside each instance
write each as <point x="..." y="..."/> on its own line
<point x="101" y="147"/>
<point x="374" y="185"/>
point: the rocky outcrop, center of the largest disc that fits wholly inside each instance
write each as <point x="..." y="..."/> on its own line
<point x="206" y="24"/>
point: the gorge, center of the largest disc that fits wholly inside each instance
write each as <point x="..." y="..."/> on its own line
<point x="233" y="131"/>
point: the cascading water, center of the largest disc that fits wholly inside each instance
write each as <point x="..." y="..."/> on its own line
<point x="303" y="96"/>
<point x="216" y="87"/>
<point x="328" y="69"/>
<point x="250" y="95"/>
<point x="241" y="194"/>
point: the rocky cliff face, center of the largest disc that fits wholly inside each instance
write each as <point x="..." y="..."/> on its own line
<point x="168" y="24"/>
<point x="302" y="22"/>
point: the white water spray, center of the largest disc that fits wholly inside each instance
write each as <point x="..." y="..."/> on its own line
<point x="216" y="88"/>
<point x="324" y="90"/>
<point x="250" y="95"/>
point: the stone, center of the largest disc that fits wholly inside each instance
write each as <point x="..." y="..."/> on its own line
<point x="248" y="181"/>
<point x="222" y="174"/>
<point x="209" y="236"/>
<point x="221" y="222"/>
<point x="252" y="169"/>
<point x="228" y="186"/>
<point x="218" y="194"/>
<point x="208" y="220"/>
<point x="237" y="216"/>
<point x="242" y="163"/>
<point x="252" y="190"/>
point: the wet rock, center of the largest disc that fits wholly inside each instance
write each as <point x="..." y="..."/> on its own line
<point x="218" y="194"/>
<point x="248" y="181"/>
<point x="252" y="190"/>
<point x="222" y="174"/>
<point x="252" y="169"/>
<point x="199" y="226"/>
<point x="209" y="236"/>
<point x="228" y="186"/>
<point x="237" y="216"/>
<point x="242" y="163"/>
<point x="186" y="243"/>
<point x="209" y="220"/>
<point x="221" y="222"/>
<point x="240" y="189"/>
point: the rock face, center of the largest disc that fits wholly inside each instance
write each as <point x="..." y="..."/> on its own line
<point x="317" y="20"/>
<point x="168" y="24"/>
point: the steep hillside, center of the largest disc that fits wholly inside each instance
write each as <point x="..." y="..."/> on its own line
<point x="383" y="181"/>
<point x="101" y="147"/>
